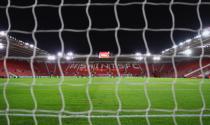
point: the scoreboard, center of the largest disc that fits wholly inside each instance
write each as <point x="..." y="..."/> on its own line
<point x="104" y="54"/>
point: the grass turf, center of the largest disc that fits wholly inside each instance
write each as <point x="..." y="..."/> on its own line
<point x="102" y="92"/>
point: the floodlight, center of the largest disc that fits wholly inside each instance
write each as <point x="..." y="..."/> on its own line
<point x="139" y="58"/>
<point x="174" y="46"/>
<point x="51" y="57"/>
<point x="206" y="33"/>
<point x="198" y="36"/>
<point x="187" y="52"/>
<point x="1" y="46"/>
<point x="204" y="46"/>
<point x="69" y="54"/>
<point x="59" y="54"/>
<point x="148" y="54"/>
<point x="188" y="40"/>
<point x="156" y="58"/>
<point x="166" y="50"/>
<point x="68" y="57"/>
<point x="180" y="44"/>
<point x="2" y="33"/>
<point x="138" y="54"/>
<point x="31" y="45"/>
<point x="27" y="44"/>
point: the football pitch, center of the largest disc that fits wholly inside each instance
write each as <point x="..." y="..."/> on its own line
<point x="104" y="101"/>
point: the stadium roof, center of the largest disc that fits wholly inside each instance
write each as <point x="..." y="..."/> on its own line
<point x="191" y="48"/>
<point x="18" y="48"/>
<point x="197" y="44"/>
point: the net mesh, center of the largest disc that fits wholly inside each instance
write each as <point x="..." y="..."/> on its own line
<point x="91" y="113"/>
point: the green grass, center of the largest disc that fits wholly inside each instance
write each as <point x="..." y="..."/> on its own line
<point x="103" y="96"/>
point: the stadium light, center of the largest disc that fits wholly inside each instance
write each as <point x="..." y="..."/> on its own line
<point x="188" y="40"/>
<point x="59" y="54"/>
<point x="156" y="58"/>
<point x="31" y="45"/>
<point x="51" y="57"/>
<point x="148" y="54"/>
<point x="138" y="54"/>
<point x="187" y="52"/>
<point x="180" y="44"/>
<point x="166" y="50"/>
<point x="174" y="46"/>
<point x="1" y="46"/>
<point x="204" y="46"/>
<point x="2" y="33"/>
<point x="69" y="54"/>
<point x="139" y="58"/>
<point x="27" y="44"/>
<point x="68" y="57"/>
<point x="198" y="36"/>
<point x="206" y="33"/>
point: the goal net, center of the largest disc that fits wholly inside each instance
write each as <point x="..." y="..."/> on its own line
<point x="137" y="40"/>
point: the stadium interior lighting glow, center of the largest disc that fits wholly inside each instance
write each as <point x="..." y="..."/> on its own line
<point x="138" y="54"/>
<point x="51" y="57"/>
<point x="174" y="46"/>
<point x="59" y="54"/>
<point x="68" y="57"/>
<point x="69" y="54"/>
<point x="188" y="40"/>
<point x="180" y="44"/>
<point x="148" y="54"/>
<point x="167" y="50"/>
<point x="1" y="46"/>
<point x="187" y="52"/>
<point x="139" y="58"/>
<point x="206" y="33"/>
<point x="198" y="36"/>
<point x="27" y="44"/>
<point x="207" y="45"/>
<point x="204" y="46"/>
<point x="156" y="58"/>
<point x="31" y="45"/>
<point x="2" y="33"/>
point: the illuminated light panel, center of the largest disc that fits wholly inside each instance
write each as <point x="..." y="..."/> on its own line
<point x="51" y="57"/>
<point x="156" y="58"/>
<point x="187" y="52"/>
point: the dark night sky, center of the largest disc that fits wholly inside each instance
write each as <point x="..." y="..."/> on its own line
<point x="158" y="17"/>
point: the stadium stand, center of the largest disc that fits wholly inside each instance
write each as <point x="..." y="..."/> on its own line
<point x="19" y="59"/>
<point x="190" y="69"/>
